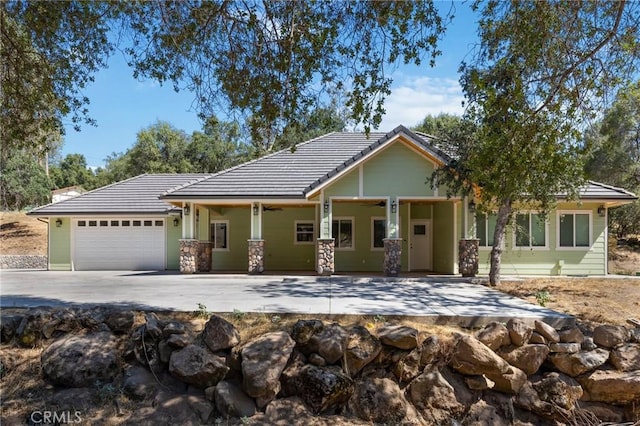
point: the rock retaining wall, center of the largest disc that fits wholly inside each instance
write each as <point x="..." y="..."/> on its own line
<point x="23" y="262"/>
<point x="325" y="373"/>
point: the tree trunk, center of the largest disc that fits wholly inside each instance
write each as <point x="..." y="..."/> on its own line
<point x="504" y="211"/>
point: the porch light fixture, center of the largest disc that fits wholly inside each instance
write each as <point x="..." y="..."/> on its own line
<point x="394" y="206"/>
<point x="326" y="206"/>
<point x="186" y="210"/>
<point x="601" y="210"/>
<point x="472" y="206"/>
<point x="58" y="223"/>
<point x="256" y="209"/>
<point x="176" y="221"/>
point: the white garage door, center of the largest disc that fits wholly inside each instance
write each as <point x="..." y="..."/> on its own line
<point x="119" y="244"/>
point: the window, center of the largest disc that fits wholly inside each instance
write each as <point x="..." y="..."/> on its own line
<point x="148" y="223"/>
<point x="378" y="232"/>
<point x="485" y="228"/>
<point x="104" y="223"/>
<point x="531" y="230"/>
<point x="93" y="223"/>
<point x="342" y="233"/>
<point x="220" y="234"/>
<point x="305" y="232"/>
<point x="115" y="223"/>
<point x="159" y="222"/>
<point x="126" y="223"/>
<point x="137" y="223"/>
<point x="574" y="229"/>
<point x="82" y="223"/>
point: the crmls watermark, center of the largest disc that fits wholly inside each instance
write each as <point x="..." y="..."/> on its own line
<point x="46" y="417"/>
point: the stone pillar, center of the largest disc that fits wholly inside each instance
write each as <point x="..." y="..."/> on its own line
<point x="189" y="256"/>
<point x="256" y="256"/>
<point x="392" y="256"/>
<point x="325" y="249"/>
<point x="204" y="256"/>
<point x="468" y="257"/>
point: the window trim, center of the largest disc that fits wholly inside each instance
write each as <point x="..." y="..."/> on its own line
<point x="212" y="236"/>
<point x="486" y="221"/>
<point x="373" y="220"/>
<point x="295" y="232"/>
<point x="353" y="232"/>
<point x="515" y="232"/>
<point x="574" y="247"/>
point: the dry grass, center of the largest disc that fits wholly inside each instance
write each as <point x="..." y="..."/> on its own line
<point x="21" y="234"/>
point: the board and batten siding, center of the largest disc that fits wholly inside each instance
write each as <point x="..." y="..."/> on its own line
<point x="553" y="260"/>
<point x="60" y="245"/>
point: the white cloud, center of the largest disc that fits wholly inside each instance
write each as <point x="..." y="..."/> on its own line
<point x="412" y="100"/>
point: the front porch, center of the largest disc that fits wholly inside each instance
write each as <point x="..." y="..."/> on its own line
<point x="376" y="235"/>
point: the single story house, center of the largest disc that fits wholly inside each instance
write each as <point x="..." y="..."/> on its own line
<point x="62" y="194"/>
<point x="343" y="202"/>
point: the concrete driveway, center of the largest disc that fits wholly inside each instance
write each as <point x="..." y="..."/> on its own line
<point x="443" y="300"/>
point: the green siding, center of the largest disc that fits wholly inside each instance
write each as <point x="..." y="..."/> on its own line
<point x="173" y="236"/>
<point x="347" y="185"/>
<point x="397" y="171"/>
<point x="236" y="257"/>
<point x="278" y="232"/>
<point x="444" y="260"/>
<point x="554" y="260"/>
<point x="60" y="245"/>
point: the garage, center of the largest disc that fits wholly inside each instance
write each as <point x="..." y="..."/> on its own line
<point x="119" y="244"/>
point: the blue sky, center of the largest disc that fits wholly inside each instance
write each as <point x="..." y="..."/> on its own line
<point x="123" y="105"/>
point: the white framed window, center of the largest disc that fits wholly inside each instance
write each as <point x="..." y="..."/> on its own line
<point x="378" y="232"/>
<point x="574" y="229"/>
<point x="531" y="231"/>
<point x="486" y="228"/>
<point x="305" y="232"/>
<point x="220" y="235"/>
<point x="342" y="231"/>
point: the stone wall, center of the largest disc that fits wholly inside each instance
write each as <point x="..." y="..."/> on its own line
<point x="468" y="257"/>
<point x="189" y="256"/>
<point x="379" y="373"/>
<point x="325" y="249"/>
<point x="204" y="256"/>
<point x="392" y="256"/>
<point x="256" y="256"/>
<point x="23" y="262"/>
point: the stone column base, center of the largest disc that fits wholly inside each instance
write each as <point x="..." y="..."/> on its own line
<point x="256" y="256"/>
<point x="392" y="256"/>
<point x="204" y="256"/>
<point x="325" y="250"/>
<point x="468" y="257"/>
<point x="189" y="256"/>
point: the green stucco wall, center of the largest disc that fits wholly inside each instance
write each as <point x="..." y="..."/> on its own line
<point x="278" y="232"/>
<point x="173" y="245"/>
<point x="60" y="245"/>
<point x="236" y="257"/>
<point x="444" y="241"/>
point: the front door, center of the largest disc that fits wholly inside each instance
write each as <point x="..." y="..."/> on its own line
<point x="420" y="245"/>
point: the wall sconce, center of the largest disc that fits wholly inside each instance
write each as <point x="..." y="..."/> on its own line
<point x="326" y="206"/>
<point x="394" y="206"/>
<point x="256" y="209"/>
<point x="58" y="223"/>
<point x="472" y="206"/>
<point x="601" y="210"/>
<point x="176" y="221"/>
<point x="186" y="210"/>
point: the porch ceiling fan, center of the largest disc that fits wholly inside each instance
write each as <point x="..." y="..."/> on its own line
<point x="378" y="204"/>
<point x="271" y="209"/>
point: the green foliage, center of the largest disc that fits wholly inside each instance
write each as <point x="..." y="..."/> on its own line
<point x="72" y="170"/>
<point x="23" y="183"/>
<point x="202" y="311"/>
<point x="543" y="297"/>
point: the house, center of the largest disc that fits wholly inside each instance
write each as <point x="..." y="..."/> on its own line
<point x="343" y="202"/>
<point x="62" y="194"/>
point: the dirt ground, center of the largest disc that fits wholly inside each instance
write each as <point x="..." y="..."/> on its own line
<point x="21" y="234"/>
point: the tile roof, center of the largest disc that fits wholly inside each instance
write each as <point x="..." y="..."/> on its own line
<point x="292" y="174"/>
<point x="137" y="195"/>
<point x="600" y="191"/>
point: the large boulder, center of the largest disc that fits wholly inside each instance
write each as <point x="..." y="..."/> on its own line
<point x="120" y="321"/>
<point x="571" y="335"/>
<point x="429" y="350"/>
<point x="303" y="330"/>
<point x="398" y="336"/>
<point x="615" y="387"/>
<point x="220" y="334"/>
<point x="528" y="358"/>
<point x="472" y="357"/>
<point x="197" y="366"/>
<point x="528" y="399"/>
<point x="362" y="348"/>
<point x="578" y="363"/>
<point x="379" y="400"/>
<point x="432" y="390"/>
<point x="262" y="363"/>
<point x="231" y="401"/>
<point x="546" y="331"/>
<point x="494" y="335"/>
<point x="323" y="388"/>
<point x="558" y="389"/>
<point x="519" y="331"/>
<point x="330" y="343"/>
<point x="139" y="383"/>
<point x="610" y="336"/>
<point x="79" y="361"/>
<point x="626" y="357"/>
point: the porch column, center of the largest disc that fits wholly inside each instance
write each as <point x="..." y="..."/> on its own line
<point x="204" y="256"/>
<point x="392" y="256"/>
<point x="256" y="256"/>
<point x="468" y="256"/>
<point x="325" y="249"/>
<point x="189" y="255"/>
